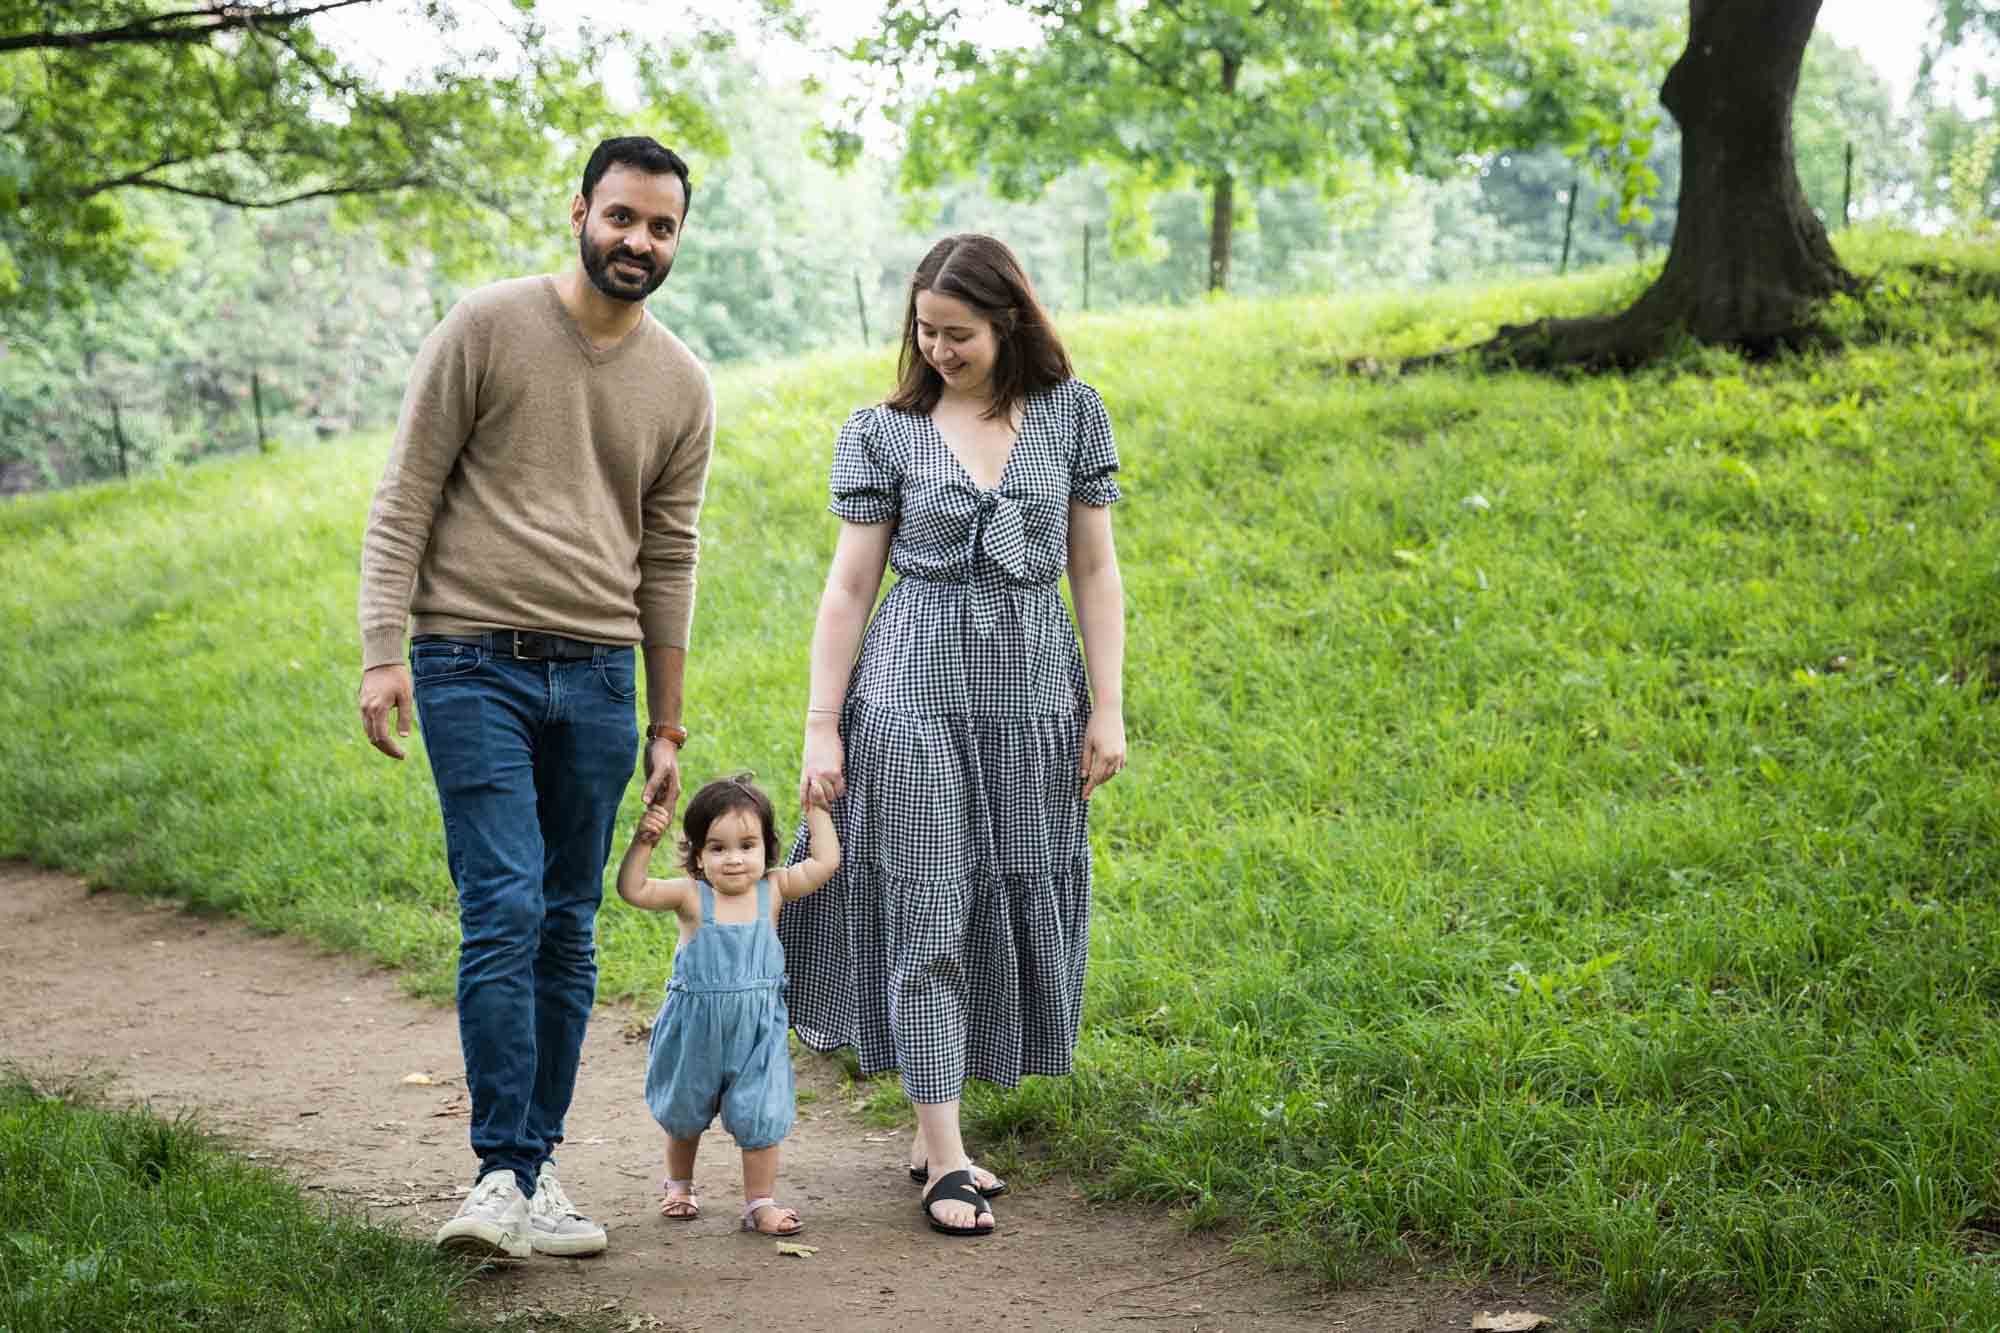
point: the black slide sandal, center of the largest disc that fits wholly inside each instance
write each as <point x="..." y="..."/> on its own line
<point x="955" y="1187"/>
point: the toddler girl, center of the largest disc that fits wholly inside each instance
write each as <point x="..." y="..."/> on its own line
<point x="719" y="1043"/>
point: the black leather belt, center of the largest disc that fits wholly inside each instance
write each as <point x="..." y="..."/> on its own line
<point x="525" y="643"/>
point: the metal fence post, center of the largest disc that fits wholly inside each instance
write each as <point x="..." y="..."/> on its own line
<point x="1086" y="266"/>
<point x="1847" y="192"/>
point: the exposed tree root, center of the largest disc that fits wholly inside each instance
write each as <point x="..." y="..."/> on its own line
<point x="1653" y="326"/>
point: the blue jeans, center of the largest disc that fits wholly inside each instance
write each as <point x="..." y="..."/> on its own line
<point x="531" y="760"/>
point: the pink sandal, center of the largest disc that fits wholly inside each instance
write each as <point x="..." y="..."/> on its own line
<point x="750" y="1217"/>
<point x="684" y="1209"/>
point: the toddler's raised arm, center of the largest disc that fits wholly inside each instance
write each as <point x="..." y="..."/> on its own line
<point x="651" y="895"/>
<point x="818" y="867"/>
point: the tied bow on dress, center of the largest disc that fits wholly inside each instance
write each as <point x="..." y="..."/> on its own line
<point x="999" y="535"/>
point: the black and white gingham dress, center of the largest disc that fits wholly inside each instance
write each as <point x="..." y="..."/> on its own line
<point x="953" y="939"/>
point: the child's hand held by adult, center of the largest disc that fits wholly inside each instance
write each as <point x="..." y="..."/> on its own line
<point x="653" y="824"/>
<point x="820" y="778"/>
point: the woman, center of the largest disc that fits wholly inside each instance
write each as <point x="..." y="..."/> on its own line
<point x="965" y="741"/>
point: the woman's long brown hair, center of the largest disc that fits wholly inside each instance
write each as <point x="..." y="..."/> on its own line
<point x="983" y="273"/>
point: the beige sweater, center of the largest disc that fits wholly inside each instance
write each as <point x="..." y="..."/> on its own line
<point x="539" y="483"/>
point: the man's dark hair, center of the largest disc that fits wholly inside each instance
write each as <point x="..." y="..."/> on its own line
<point x="644" y="152"/>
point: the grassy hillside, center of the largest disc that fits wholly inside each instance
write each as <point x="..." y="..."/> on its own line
<point x="1562" y="819"/>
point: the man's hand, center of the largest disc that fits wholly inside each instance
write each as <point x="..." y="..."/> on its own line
<point x="663" y="775"/>
<point x="383" y="688"/>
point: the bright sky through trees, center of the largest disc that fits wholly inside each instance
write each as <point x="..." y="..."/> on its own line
<point x="1888" y="34"/>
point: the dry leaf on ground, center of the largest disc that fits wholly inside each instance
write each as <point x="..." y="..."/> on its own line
<point x="797" y="1251"/>
<point x="1510" y="1321"/>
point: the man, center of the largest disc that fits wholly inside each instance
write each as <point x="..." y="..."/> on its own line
<point x="537" y="519"/>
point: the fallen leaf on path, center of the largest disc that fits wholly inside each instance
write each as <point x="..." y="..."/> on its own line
<point x="1510" y="1321"/>
<point x="797" y="1251"/>
<point x="420" y="1080"/>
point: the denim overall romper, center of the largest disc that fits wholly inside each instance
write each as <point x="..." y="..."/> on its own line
<point x="719" y="1042"/>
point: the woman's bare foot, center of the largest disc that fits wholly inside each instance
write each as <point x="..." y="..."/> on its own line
<point x="982" y="1179"/>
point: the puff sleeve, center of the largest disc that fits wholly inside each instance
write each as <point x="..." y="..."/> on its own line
<point x="1095" y="458"/>
<point x="866" y="486"/>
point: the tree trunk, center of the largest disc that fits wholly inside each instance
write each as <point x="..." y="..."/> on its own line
<point x="1222" y="211"/>
<point x="1221" y="228"/>
<point x="1750" y="259"/>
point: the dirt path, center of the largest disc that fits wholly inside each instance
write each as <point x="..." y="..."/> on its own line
<point x="301" y="1057"/>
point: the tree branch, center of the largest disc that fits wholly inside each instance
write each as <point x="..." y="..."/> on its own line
<point x="1130" y="52"/>
<point x="138" y="177"/>
<point x="189" y="26"/>
<point x="234" y="201"/>
<point x="332" y="80"/>
<point x="144" y="178"/>
<point x="1160" y="76"/>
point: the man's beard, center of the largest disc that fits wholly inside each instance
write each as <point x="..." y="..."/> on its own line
<point x="597" y="264"/>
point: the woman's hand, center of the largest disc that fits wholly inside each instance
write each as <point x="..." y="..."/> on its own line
<point x="821" y="782"/>
<point x="1103" y="756"/>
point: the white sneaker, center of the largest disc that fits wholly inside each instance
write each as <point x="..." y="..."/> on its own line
<point x="492" y="1223"/>
<point x="554" y="1224"/>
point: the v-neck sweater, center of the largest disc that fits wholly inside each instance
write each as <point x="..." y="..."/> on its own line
<point x="539" y="482"/>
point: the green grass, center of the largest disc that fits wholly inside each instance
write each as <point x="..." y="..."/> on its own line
<point x="1562" y="820"/>
<point x="117" y="1220"/>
